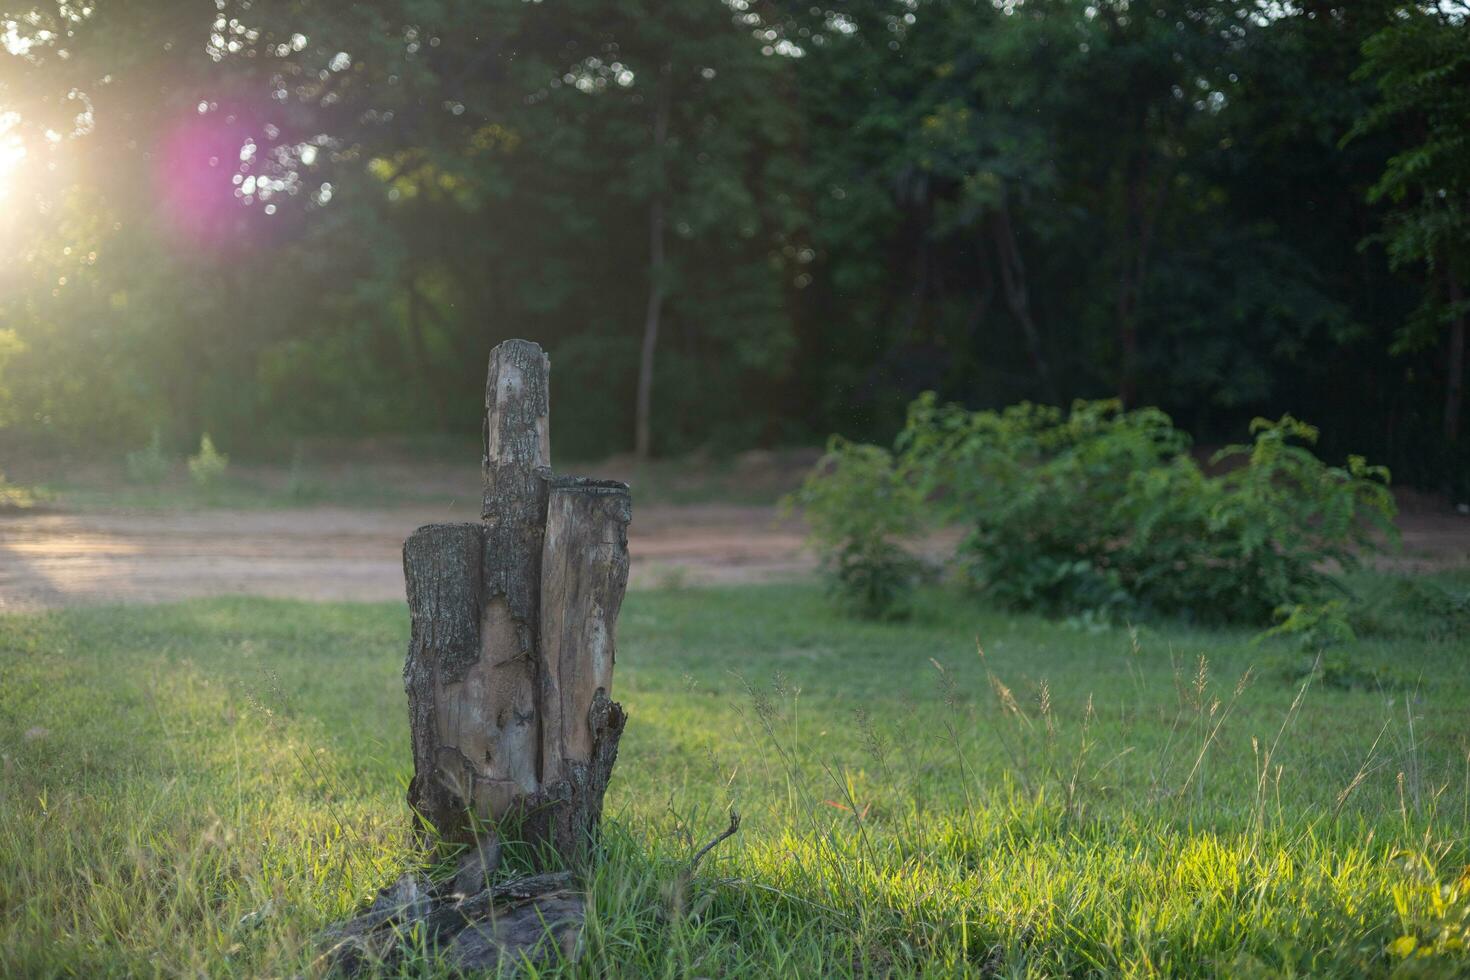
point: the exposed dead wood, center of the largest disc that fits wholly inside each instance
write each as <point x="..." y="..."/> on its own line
<point x="498" y="691"/>
<point x="509" y="680"/>
<point x="722" y="836"/>
<point x="536" y="919"/>
<point x="584" y="576"/>
<point x="441" y="565"/>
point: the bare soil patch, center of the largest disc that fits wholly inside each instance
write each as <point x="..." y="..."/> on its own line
<point x="337" y="553"/>
<point x="50" y="559"/>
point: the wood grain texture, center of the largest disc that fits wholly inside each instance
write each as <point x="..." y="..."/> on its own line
<point x="509" y="678"/>
<point x="509" y="672"/>
<point x="584" y="573"/>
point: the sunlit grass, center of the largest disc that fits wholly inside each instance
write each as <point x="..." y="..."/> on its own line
<point x="197" y="789"/>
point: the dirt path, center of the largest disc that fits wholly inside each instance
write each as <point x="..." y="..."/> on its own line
<point x="335" y="553"/>
<point x="339" y="553"/>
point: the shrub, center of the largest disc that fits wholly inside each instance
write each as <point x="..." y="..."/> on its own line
<point x="1103" y="510"/>
<point x="14" y="497"/>
<point x="859" y="508"/>
<point x="209" y="465"/>
<point x="1042" y="493"/>
<point x="1337" y="670"/>
<point x="1417" y="608"/>
<point x="1262" y="536"/>
<point x="150" y="464"/>
<point x="1312" y="627"/>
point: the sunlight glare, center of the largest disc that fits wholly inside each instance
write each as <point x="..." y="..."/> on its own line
<point x="12" y="152"/>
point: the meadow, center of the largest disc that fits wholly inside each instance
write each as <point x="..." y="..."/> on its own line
<point x="199" y="788"/>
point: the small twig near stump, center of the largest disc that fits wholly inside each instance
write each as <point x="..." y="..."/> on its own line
<point x="686" y="877"/>
<point x="722" y="836"/>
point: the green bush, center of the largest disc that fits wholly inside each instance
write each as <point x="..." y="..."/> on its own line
<point x="1312" y="628"/>
<point x="1416" y="607"/>
<point x="150" y="464"/>
<point x="209" y="465"/>
<point x="1263" y="536"/>
<point x="859" y="508"/>
<point x="1104" y="510"/>
<point x="14" y="497"/>
<point x="1337" y="670"/>
<point x="1042" y="493"/>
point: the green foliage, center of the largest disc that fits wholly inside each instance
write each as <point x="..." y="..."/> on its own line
<point x="10" y="346"/>
<point x="1435" y="924"/>
<point x="1041" y="492"/>
<point x="14" y="497"/>
<point x="1415" y="607"/>
<point x="1259" y="536"/>
<point x="1420" y="62"/>
<point x="1338" y="669"/>
<point x="1312" y="627"/>
<point x="1326" y="652"/>
<point x="149" y="465"/>
<point x="857" y="206"/>
<point x="859" y="508"/>
<point x="1105" y="510"/>
<point x="207" y="467"/>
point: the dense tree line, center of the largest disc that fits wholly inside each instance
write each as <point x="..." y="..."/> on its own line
<point x="750" y="222"/>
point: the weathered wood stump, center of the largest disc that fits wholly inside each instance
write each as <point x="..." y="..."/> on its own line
<point x="509" y="671"/>
<point x="509" y="681"/>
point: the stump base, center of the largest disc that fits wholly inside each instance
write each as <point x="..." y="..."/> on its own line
<point x="537" y="918"/>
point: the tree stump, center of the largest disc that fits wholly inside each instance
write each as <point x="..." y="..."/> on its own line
<point x="509" y="671"/>
<point x="509" y="681"/>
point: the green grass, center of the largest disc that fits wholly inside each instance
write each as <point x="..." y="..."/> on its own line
<point x="197" y="789"/>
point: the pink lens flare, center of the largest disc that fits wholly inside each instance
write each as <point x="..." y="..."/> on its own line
<point x="200" y="175"/>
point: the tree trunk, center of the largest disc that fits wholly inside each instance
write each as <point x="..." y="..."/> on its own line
<point x="509" y="669"/>
<point x="1142" y="206"/>
<point x="1454" y="397"/>
<point x="643" y="436"/>
<point x="1018" y="295"/>
<point x="920" y="289"/>
<point x="983" y="298"/>
<point x="1128" y="351"/>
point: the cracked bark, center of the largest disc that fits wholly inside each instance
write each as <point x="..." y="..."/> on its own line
<point x="509" y="668"/>
<point x="509" y="682"/>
